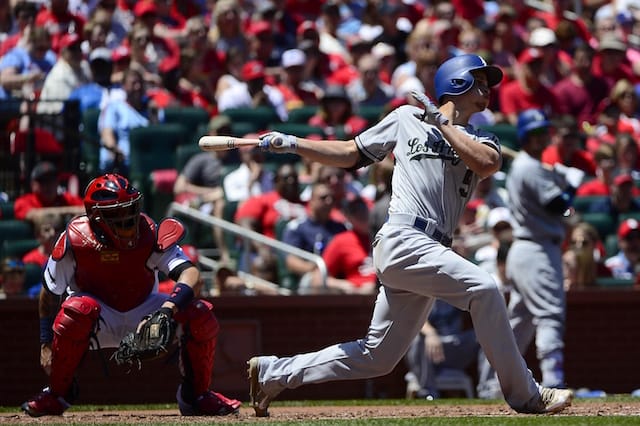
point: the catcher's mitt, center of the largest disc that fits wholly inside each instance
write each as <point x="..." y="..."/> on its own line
<point x="150" y="340"/>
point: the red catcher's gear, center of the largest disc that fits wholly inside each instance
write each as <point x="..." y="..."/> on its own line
<point x="198" y="347"/>
<point x="115" y="277"/>
<point x="72" y="328"/>
<point x="113" y="206"/>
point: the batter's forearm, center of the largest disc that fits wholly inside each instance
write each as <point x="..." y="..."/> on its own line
<point x="336" y="153"/>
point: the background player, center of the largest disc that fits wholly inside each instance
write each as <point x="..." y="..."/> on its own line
<point x="539" y="195"/>
<point x="108" y="261"/>
<point x="439" y="161"/>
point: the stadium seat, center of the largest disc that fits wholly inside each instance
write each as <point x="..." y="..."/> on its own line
<point x="611" y="282"/>
<point x="184" y="153"/>
<point x="582" y="203"/>
<point x="302" y="114"/>
<point x="449" y="379"/>
<point x="33" y="274"/>
<point x="18" y="247"/>
<point x="6" y="210"/>
<point x="610" y="245"/>
<point x="506" y="133"/>
<point x="603" y="223"/>
<point x="260" y="117"/>
<point x="90" y="148"/>
<point x="190" y="118"/>
<point x="298" y="129"/>
<point x="371" y="113"/>
<point x="14" y="229"/>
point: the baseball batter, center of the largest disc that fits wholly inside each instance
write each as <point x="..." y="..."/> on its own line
<point x="538" y="197"/>
<point x="439" y="160"/>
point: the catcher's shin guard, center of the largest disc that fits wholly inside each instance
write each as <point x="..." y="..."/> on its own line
<point x="73" y="326"/>
<point x="197" y="347"/>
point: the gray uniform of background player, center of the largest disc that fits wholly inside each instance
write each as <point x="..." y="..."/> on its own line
<point x="537" y="303"/>
<point x="429" y="181"/>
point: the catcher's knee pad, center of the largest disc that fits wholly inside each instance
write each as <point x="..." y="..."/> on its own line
<point x="200" y="321"/>
<point x="72" y="328"/>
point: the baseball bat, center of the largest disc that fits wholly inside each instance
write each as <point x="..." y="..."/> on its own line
<point x="223" y="143"/>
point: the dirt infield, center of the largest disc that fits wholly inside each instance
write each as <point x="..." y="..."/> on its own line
<point x="304" y="413"/>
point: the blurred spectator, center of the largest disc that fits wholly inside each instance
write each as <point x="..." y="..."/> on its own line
<point x="583" y="261"/>
<point x="253" y="92"/>
<point x="226" y="30"/>
<point x="368" y="89"/>
<point x="109" y="22"/>
<point x="234" y="60"/>
<point x="566" y="147"/>
<point x="624" y="100"/>
<point x="260" y="213"/>
<point x="443" y="343"/>
<point x="47" y="228"/>
<point x="69" y="72"/>
<point x="557" y="63"/>
<point x="393" y="32"/>
<point x="605" y="161"/>
<point x="610" y="63"/>
<point x="292" y="85"/>
<point x="250" y="179"/>
<point x="199" y="184"/>
<point x="24" y="14"/>
<point x="328" y="24"/>
<point x="170" y="22"/>
<point x="45" y="197"/>
<point x="24" y="68"/>
<point x="504" y="41"/>
<point x="527" y="91"/>
<point x="13" y="278"/>
<point x="581" y="93"/>
<point x="336" y="115"/>
<point x="626" y="263"/>
<point x="260" y="42"/>
<point x="627" y="155"/>
<point x="116" y="120"/>
<point x="490" y="194"/>
<point x="500" y="227"/>
<point x="56" y="19"/>
<point x="620" y="200"/>
<point x="386" y="56"/>
<point x="348" y="255"/>
<point x="99" y="91"/>
<point x="259" y="282"/>
<point x="139" y="43"/>
<point x="313" y="233"/>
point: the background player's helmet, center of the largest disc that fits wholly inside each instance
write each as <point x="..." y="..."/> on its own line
<point x="454" y="76"/>
<point x="113" y="207"/>
<point x="529" y="120"/>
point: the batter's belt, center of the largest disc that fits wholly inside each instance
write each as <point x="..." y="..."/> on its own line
<point x="427" y="226"/>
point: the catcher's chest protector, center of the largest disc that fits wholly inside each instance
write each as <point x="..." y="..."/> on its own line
<point x="117" y="277"/>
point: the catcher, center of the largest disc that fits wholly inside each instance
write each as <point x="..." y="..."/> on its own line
<point x="107" y="261"/>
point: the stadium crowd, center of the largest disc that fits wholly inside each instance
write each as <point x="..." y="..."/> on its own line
<point x="576" y="61"/>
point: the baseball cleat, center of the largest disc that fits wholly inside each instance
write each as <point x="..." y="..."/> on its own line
<point x="45" y="404"/>
<point x="550" y="400"/>
<point x="259" y="400"/>
<point x="209" y="403"/>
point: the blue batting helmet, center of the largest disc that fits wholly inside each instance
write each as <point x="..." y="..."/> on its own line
<point x="531" y="119"/>
<point x="454" y="76"/>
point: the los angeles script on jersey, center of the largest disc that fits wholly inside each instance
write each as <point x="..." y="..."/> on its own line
<point x="431" y="148"/>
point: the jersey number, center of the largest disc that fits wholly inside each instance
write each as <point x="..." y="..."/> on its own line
<point x="464" y="192"/>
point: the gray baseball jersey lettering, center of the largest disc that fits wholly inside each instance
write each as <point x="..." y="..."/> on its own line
<point x="429" y="179"/>
<point x="531" y="187"/>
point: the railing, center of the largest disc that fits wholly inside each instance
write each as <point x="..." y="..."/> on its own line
<point x="247" y="235"/>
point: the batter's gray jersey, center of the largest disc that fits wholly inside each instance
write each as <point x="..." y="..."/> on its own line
<point x="429" y="179"/>
<point x="531" y="186"/>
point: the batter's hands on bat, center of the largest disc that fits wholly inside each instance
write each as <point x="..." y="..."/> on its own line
<point x="278" y="142"/>
<point x="432" y="114"/>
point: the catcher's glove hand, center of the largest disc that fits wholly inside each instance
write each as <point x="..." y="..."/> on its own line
<point x="150" y="340"/>
<point x="432" y="114"/>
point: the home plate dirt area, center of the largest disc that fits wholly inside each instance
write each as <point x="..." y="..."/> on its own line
<point x="301" y="413"/>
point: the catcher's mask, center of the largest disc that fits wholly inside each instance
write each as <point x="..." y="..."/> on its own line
<point x="113" y="207"/>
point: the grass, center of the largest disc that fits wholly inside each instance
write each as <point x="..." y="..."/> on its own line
<point x="618" y="401"/>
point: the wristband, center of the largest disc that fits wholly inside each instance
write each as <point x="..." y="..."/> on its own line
<point x="181" y="295"/>
<point x="46" y="330"/>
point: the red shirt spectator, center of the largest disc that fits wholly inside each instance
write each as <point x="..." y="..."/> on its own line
<point x="59" y="21"/>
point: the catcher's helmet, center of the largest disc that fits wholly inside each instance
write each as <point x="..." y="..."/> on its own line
<point x="454" y="76"/>
<point x="113" y="207"/>
<point x="531" y="119"/>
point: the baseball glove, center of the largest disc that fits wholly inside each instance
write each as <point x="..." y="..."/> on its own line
<point x="150" y="340"/>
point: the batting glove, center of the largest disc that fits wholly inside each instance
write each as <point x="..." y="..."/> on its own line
<point x="572" y="175"/>
<point x="278" y="142"/>
<point x="432" y="114"/>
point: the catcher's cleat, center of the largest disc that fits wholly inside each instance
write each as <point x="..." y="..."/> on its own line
<point x="209" y="403"/>
<point x="45" y="404"/>
<point x="550" y="400"/>
<point x="259" y="399"/>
